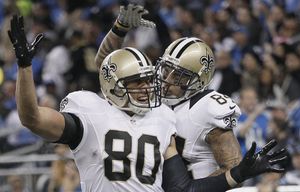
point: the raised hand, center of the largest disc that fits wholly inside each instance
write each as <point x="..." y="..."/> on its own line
<point x="23" y="50"/>
<point x="254" y="164"/>
<point x="131" y="16"/>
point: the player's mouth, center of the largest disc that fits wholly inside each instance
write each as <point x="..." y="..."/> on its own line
<point x="143" y="99"/>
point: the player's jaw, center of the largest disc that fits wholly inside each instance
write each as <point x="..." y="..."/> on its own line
<point x="141" y="92"/>
<point x="142" y="97"/>
<point x="170" y="91"/>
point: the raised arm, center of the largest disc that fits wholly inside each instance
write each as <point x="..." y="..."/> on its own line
<point x="43" y="121"/>
<point x="130" y="16"/>
<point x="176" y="177"/>
<point x="111" y="42"/>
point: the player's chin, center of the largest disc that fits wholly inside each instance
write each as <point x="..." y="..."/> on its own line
<point x="169" y="96"/>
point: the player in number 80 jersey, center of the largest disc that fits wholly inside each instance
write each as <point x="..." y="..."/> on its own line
<point x="122" y="149"/>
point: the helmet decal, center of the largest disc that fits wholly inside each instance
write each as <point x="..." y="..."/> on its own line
<point x="107" y="68"/>
<point x="208" y="63"/>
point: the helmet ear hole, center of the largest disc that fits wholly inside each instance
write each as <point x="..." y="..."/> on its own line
<point x="117" y="91"/>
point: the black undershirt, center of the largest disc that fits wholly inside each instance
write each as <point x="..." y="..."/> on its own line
<point x="73" y="131"/>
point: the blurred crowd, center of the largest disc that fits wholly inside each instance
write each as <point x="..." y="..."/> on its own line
<point x="257" y="55"/>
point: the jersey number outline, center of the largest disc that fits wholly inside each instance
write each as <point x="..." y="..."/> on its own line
<point x="220" y="98"/>
<point x="123" y="156"/>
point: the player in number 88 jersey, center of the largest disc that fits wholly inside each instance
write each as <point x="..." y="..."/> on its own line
<point x="205" y="118"/>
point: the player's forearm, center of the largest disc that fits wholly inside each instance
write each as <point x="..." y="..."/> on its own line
<point x="43" y="121"/>
<point x="130" y="16"/>
<point x="110" y="43"/>
<point x="225" y="148"/>
<point x="176" y="179"/>
<point x="227" y="166"/>
<point x="26" y="98"/>
<point x="218" y="172"/>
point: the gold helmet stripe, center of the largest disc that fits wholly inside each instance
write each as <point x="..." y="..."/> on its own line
<point x="143" y="61"/>
<point x="146" y="58"/>
<point x="182" y="39"/>
<point x="185" y="47"/>
<point x="182" y="46"/>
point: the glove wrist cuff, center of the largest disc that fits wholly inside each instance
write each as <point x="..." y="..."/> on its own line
<point x="120" y="29"/>
<point x="23" y="63"/>
<point x="231" y="182"/>
<point x="236" y="175"/>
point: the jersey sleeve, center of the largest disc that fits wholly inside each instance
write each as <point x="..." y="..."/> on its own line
<point x="70" y="104"/>
<point x="67" y="105"/>
<point x="223" y="112"/>
<point x="81" y="102"/>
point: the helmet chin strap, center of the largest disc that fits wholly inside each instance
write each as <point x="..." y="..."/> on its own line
<point x="137" y="110"/>
<point x="188" y="94"/>
<point x="132" y="106"/>
<point x="170" y="102"/>
<point x="134" y="109"/>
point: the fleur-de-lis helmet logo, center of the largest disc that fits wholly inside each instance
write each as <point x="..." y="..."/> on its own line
<point x="208" y="62"/>
<point x="107" y="69"/>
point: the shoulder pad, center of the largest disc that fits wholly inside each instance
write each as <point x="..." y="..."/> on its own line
<point x="80" y="102"/>
<point x="223" y="111"/>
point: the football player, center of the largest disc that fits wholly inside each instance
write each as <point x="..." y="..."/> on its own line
<point x="122" y="142"/>
<point x="205" y="118"/>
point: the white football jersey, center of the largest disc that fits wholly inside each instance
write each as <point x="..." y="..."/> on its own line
<point x="195" y="118"/>
<point x="119" y="152"/>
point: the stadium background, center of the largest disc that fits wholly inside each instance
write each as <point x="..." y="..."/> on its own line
<point x="257" y="51"/>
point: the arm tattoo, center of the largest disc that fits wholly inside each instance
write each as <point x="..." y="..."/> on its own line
<point x="110" y="43"/>
<point x="226" y="149"/>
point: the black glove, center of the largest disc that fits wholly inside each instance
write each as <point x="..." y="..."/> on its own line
<point x="254" y="164"/>
<point x="130" y="16"/>
<point x="24" y="51"/>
